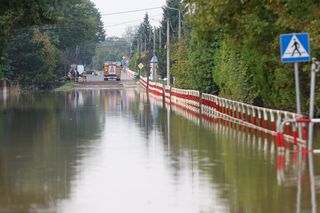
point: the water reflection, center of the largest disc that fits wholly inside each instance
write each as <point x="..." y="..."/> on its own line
<point x="41" y="140"/>
<point x="254" y="181"/>
<point x="125" y="151"/>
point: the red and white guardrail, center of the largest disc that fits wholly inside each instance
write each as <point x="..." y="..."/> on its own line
<point x="257" y="118"/>
<point x="143" y="82"/>
<point x="131" y="73"/>
<point x="156" y="88"/>
<point x="264" y="118"/>
<point x="190" y="99"/>
<point x="281" y="135"/>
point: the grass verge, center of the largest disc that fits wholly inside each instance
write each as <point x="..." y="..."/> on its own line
<point x="65" y="87"/>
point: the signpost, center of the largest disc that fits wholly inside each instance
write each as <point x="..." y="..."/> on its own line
<point x="295" y="48"/>
<point x="154" y="61"/>
<point x="140" y="66"/>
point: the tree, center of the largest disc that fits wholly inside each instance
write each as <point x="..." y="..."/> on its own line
<point x="144" y="35"/>
<point x="80" y="25"/>
<point x="143" y="44"/>
<point x="52" y="30"/>
<point x="32" y="59"/>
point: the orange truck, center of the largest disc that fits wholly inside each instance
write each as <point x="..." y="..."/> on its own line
<point x="112" y="71"/>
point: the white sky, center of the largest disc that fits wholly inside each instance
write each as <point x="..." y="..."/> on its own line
<point x="115" y="25"/>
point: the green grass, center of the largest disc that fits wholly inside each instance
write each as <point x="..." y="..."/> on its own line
<point x="65" y="87"/>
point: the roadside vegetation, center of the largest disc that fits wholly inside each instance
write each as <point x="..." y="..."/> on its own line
<point x="39" y="40"/>
<point x="231" y="48"/>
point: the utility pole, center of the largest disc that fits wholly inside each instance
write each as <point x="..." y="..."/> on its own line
<point x="140" y="47"/>
<point x="159" y="38"/>
<point x="154" y="54"/>
<point x="150" y="36"/>
<point x="168" y="52"/>
<point x="179" y="25"/>
<point x="145" y="43"/>
<point x="139" y="50"/>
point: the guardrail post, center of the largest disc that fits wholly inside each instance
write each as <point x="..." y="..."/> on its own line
<point x="314" y="69"/>
<point x="260" y="117"/>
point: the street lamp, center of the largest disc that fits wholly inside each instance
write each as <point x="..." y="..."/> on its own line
<point x="171" y="8"/>
<point x="168" y="42"/>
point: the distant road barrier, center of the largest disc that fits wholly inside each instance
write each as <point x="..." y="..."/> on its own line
<point x="261" y="119"/>
<point x="131" y="74"/>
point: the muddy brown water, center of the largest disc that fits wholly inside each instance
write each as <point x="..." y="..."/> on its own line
<point x="119" y="150"/>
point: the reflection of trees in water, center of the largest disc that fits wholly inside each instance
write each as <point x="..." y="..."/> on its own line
<point x="141" y="110"/>
<point x="40" y="147"/>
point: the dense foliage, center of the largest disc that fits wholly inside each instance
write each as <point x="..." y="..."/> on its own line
<point x="39" y="39"/>
<point x="231" y="48"/>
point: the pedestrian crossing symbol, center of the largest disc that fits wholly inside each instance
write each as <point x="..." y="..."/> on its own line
<point x="295" y="47"/>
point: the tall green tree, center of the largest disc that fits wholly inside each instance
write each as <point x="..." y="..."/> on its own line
<point x="32" y="59"/>
<point x="143" y="44"/>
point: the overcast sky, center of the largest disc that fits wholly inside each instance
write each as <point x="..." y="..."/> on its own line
<point x="115" y="25"/>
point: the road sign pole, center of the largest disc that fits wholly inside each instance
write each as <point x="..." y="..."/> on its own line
<point x="295" y="48"/>
<point x="296" y="73"/>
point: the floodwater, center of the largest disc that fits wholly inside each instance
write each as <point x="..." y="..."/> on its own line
<point x="122" y="151"/>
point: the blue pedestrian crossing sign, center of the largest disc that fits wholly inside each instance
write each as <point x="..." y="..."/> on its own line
<point x="295" y="47"/>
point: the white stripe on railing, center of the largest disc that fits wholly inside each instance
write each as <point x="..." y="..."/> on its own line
<point x="131" y="73"/>
<point x="257" y="118"/>
<point x="190" y="99"/>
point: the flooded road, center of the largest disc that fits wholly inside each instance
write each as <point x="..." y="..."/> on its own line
<point x="119" y="150"/>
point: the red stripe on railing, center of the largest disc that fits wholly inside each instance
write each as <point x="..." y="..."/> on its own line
<point x="303" y="120"/>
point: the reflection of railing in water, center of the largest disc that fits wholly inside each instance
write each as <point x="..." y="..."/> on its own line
<point x="221" y="124"/>
<point x="297" y="173"/>
<point x="292" y="169"/>
<point x="186" y="113"/>
<point x="258" y="118"/>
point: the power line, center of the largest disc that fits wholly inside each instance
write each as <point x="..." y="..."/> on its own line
<point x="130" y="11"/>
<point x="127" y="22"/>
